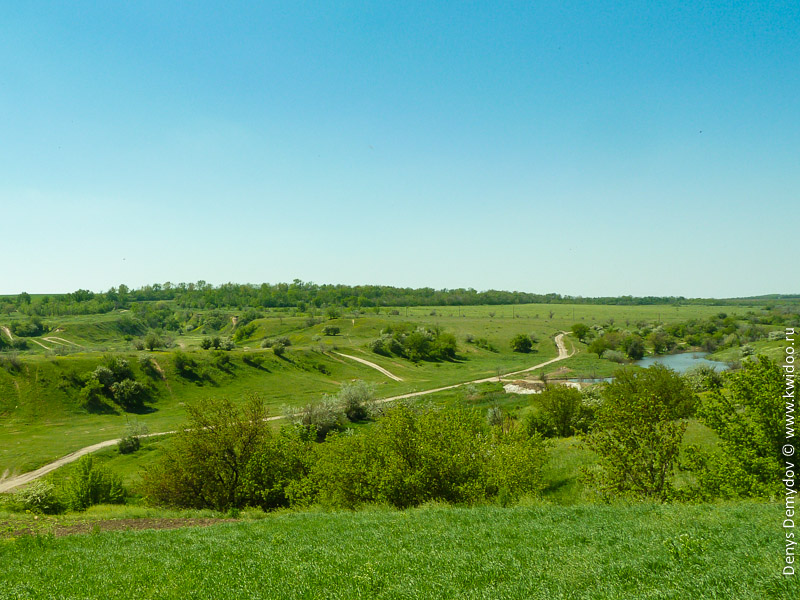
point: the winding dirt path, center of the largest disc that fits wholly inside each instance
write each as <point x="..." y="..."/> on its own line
<point x="59" y="340"/>
<point x="562" y="354"/>
<point x="7" y="331"/>
<point x="373" y="365"/>
<point x="18" y="480"/>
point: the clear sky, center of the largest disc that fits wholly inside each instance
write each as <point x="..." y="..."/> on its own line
<point x="586" y="148"/>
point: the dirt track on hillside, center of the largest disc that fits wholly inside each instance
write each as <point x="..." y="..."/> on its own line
<point x="373" y="365"/>
<point x="19" y="480"/>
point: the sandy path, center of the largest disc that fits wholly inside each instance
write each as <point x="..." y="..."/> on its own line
<point x="7" y="331"/>
<point x="373" y="365"/>
<point x="562" y="354"/>
<point x="13" y="482"/>
<point x="58" y="340"/>
<point x="39" y="343"/>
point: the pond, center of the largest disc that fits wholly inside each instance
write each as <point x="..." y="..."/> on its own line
<point x="682" y="362"/>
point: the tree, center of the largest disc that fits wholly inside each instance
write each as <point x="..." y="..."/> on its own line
<point x="330" y="330"/>
<point x="521" y="343"/>
<point x="638" y="433"/>
<point x="599" y="346"/>
<point x="750" y="422"/>
<point x="634" y="347"/>
<point x="205" y="465"/>
<point x="152" y="341"/>
<point x="565" y="410"/>
<point x="581" y="330"/>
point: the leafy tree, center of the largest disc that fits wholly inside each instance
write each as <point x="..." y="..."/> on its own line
<point x="205" y="466"/>
<point x="330" y="330"/>
<point x="565" y="410"/>
<point x="521" y="343"/>
<point x="205" y="343"/>
<point x="750" y="422"/>
<point x="417" y="345"/>
<point x="634" y="347"/>
<point x="638" y="433"/>
<point x="129" y="394"/>
<point x="599" y="346"/>
<point x="152" y="341"/>
<point x="581" y="330"/>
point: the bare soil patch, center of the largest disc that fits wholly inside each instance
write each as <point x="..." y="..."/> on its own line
<point x="14" y="528"/>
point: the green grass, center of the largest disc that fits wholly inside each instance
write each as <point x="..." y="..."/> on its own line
<point x="528" y="552"/>
<point x="40" y="419"/>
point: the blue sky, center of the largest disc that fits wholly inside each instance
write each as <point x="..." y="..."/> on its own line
<point x="586" y="148"/>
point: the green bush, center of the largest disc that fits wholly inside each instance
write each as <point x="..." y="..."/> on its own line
<point x="128" y="445"/>
<point x="330" y="330"/>
<point x="411" y="457"/>
<point x="749" y="421"/>
<point x="318" y="417"/>
<point x="92" y="485"/>
<point x="521" y="343"/>
<point x="204" y="466"/>
<point x="129" y="394"/>
<point x="638" y="432"/>
<point x="39" y="497"/>
<point x="357" y="399"/>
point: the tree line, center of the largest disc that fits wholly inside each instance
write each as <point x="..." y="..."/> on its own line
<point x="302" y="295"/>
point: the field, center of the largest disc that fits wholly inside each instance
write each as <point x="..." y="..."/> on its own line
<point x="526" y="552"/>
<point x="42" y="421"/>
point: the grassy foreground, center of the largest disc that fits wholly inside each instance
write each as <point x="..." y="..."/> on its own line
<point x="530" y="552"/>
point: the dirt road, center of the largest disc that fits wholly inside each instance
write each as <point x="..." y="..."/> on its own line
<point x="18" y="480"/>
<point x="562" y="354"/>
<point x="373" y="365"/>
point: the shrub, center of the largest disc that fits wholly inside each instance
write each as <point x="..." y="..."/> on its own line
<point x="152" y="341"/>
<point x="204" y="466"/>
<point x="183" y="362"/>
<point x="11" y="362"/>
<point x="39" y="497"/>
<point x="319" y="417"/>
<point x="637" y="435"/>
<point x="244" y="332"/>
<point x="357" y="399"/>
<point x="563" y="407"/>
<point x="278" y="348"/>
<point x="750" y="422"/>
<point x="92" y="485"/>
<point x="205" y="343"/>
<point x="703" y="378"/>
<point x="148" y="366"/>
<point x="412" y="457"/>
<point x="92" y="396"/>
<point x="330" y="330"/>
<point x="521" y="343"/>
<point x="128" y="445"/>
<point x="129" y="394"/>
<point x="615" y="356"/>
<point x="254" y="360"/>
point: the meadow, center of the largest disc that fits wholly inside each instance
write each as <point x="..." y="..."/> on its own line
<point x="537" y="551"/>
<point x="41" y="419"/>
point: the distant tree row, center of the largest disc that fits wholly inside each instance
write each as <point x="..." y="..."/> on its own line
<point x="304" y="295"/>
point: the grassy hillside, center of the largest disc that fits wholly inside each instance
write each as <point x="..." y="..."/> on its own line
<point x="40" y="416"/>
<point x="534" y="552"/>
